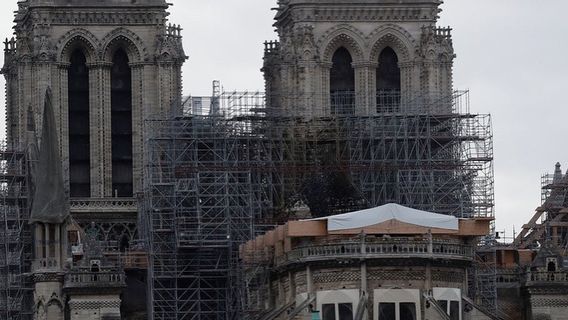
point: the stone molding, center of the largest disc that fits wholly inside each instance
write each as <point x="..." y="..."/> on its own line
<point x="546" y="302"/>
<point x="78" y="16"/>
<point x="48" y="277"/>
<point x="94" y="304"/>
<point x="359" y="13"/>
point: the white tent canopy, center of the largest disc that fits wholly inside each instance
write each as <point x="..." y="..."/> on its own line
<point x="374" y="216"/>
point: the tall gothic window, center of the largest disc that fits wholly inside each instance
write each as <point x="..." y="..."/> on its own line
<point x="388" y="82"/>
<point x="79" y="127"/>
<point x="121" y="115"/>
<point x="342" y="83"/>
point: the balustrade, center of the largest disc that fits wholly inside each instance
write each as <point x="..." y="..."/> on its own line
<point x="88" y="279"/>
<point x="551" y="277"/>
<point x="45" y="263"/>
<point x="113" y="204"/>
<point x="370" y="250"/>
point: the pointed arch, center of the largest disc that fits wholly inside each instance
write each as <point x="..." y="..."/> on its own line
<point x="388" y="81"/>
<point x="79" y="138"/>
<point x="342" y="36"/>
<point x="342" y="82"/>
<point x="394" y="37"/>
<point x="126" y="40"/>
<point x="78" y="39"/>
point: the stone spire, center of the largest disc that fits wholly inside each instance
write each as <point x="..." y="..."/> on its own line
<point x="50" y="203"/>
<point x="557" y="173"/>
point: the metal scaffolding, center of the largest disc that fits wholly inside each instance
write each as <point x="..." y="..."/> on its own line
<point x="212" y="179"/>
<point x="16" y="288"/>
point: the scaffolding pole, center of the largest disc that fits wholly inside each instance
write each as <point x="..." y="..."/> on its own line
<point x="16" y="288"/>
<point x="211" y="179"/>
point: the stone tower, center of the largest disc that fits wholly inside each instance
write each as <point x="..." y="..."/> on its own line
<point x="110" y="64"/>
<point x="359" y="57"/>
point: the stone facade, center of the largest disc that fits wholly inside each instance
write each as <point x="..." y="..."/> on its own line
<point x="110" y="65"/>
<point x="311" y="32"/>
<point x="302" y="269"/>
<point x="49" y="32"/>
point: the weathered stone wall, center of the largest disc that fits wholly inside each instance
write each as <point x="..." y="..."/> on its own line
<point x="310" y="33"/>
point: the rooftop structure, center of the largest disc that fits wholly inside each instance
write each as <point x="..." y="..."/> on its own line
<point x="370" y="264"/>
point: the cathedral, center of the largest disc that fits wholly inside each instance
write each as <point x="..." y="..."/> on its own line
<point x="122" y="199"/>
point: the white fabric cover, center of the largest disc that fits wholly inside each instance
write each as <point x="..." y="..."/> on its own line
<point x="373" y="216"/>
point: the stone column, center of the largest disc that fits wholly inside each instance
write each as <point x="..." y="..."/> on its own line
<point x="63" y="72"/>
<point x="362" y="80"/>
<point x="309" y="280"/>
<point x="137" y="126"/>
<point x="47" y="236"/>
<point x="57" y="244"/>
<point x="99" y="114"/>
<point x="325" y="105"/>
<point x="24" y="98"/>
<point x="105" y="130"/>
<point x="409" y="85"/>
<point x="39" y="253"/>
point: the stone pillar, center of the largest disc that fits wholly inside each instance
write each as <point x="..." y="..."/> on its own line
<point x="47" y="242"/>
<point x="361" y="88"/>
<point x="309" y="280"/>
<point x="63" y="73"/>
<point x="48" y="296"/>
<point x="137" y="126"/>
<point x="325" y="91"/>
<point x="409" y="85"/>
<point x="39" y="253"/>
<point x="105" y="129"/>
<point x="58" y="244"/>
<point x="24" y="98"/>
<point x="97" y="151"/>
<point x="292" y="286"/>
<point x="47" y="275"/>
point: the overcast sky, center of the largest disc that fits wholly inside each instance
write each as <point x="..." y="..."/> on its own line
<point x="511" y="54"/>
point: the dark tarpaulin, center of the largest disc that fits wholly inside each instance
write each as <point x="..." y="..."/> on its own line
<point x="50" y="203"/>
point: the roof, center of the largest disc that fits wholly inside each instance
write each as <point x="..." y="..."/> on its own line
<point x="389" y="213"/>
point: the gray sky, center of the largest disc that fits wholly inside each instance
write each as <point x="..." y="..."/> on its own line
<point x="510" y="54"/>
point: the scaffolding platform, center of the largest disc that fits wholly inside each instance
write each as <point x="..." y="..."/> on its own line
<point x="16" y="289"/>
<point x="212" y="179"/>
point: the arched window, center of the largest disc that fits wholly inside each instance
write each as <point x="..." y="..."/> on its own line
<point x="79" y="127"/>
<point x="121" y="115"/>
<point x="342" y="83"/>
<point x="388" y="82"/>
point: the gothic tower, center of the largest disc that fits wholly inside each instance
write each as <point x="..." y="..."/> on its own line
<point x="359" y="58"/>
<point x="110" y="64"/>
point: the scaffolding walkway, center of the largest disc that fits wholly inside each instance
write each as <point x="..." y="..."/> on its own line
<point x="16" y="289"/>
<point x="210" y="179"/>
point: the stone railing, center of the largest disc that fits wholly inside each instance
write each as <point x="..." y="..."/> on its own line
<point x="547" y="277"/>
<point x="512" y="275"/>
<point x="378" y="250"/>
<point x="88" y="279"/>
<point x="103" y="205"/>
<point x="45" y="264"/>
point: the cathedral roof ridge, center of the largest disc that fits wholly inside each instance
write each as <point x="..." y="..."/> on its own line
<point x="98" y="3"/>
<point x="362" y="2"/>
